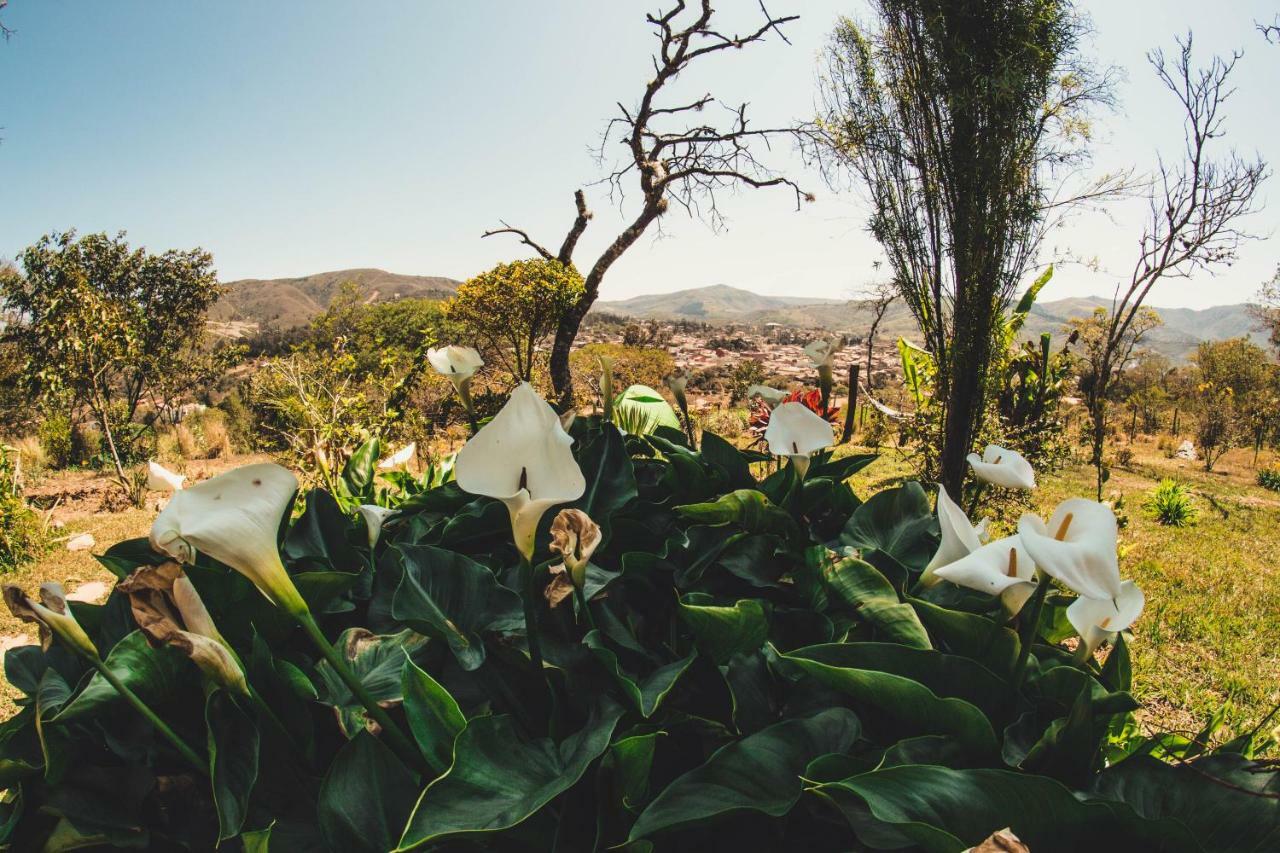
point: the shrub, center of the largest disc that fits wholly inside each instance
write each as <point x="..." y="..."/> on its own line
<point x="22" y="533"/>
<point x="748" y="664"/>
<point x="1170" y="504"/>
<point x="54" y="434"/>
<point x="1124" y="457"/>
<point x="1269" y="478"/>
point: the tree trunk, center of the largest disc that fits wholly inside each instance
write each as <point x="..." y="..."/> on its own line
<point x="852" y="407"/>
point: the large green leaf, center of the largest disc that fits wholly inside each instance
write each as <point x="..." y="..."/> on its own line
<point x="366" y="797"/>
<point x="971" y="635"/>
<point x="940" y="810"/>
<point x="358" y="474"/>
<point x="499" y="778"/>
<point x="434" y="717"/>
<point x="444" y="594"/>
<point x="843" y="468"/>
<point x="318" y="539"/>
<point x="722" y="632"/>
<point x="861" y="587"/>
<point x="611" y="480"/>
<point x="153" y="674"/>
<point x="723" y="455"/>
<point x="898" y="522"/>
<point x="643" y="694"/>
<point x="233" y="759"/>
<point x="907" y="704"/>
<point x="377" y="661"/>
<point x="1230" y="802"/>
<point x="945" y="675"/>
<point x="760" y="773"/>
<point x="745" y="507"/>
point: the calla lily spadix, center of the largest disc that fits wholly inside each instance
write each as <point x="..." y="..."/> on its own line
<point x="1077" y="546"/>
<point x="1003" y="568"/>
<point x="771" y="396"/>
<point x="959" y="537"/>
<point x="400" y="458"/>
<point x="373" y="516"/>
<point x="1098" y="621"/>
<point x="522" y="458"/>
<point x="161" y="479"/>
<point x="1001" y="467"/>
<point x="234" y="518"/>
<point x="796" y="432"/>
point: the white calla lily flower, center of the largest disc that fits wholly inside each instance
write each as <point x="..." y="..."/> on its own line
<point x="1003" y="567"/>
<point x="1001" y="467"/>
<point x="400" y="458"/>
<point x="678" y="381"/>
<point x="161" y="479"/>
<point x="959" y="537"/>
<point x="796" y="432"/>
<point x="234" y="518"/>
<point x="522" y="458"/>
<point x="1099" y="620"/>
<point x="373" y="516"/>
<point x="1077" y="546"/>
<point x="823" y="352"/>
<point x="771" y="396"/>
<point x="456" y="363"/>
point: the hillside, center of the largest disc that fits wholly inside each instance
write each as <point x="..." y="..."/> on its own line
<point x="1184" y="328"/>
<point x="718" y="303"/>
<point x="288" y="302"/>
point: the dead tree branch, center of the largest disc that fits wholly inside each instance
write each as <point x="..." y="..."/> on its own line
<point x="673" y="152"/>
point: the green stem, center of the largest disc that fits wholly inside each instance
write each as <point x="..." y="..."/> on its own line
<point x="193" y="758"/>
<point x="531" y="615"/>
<point x="978" y="488"/>
<point x="1030" y="630"/>
<point x="392" y="731"/>
<point x="581" y="595"/>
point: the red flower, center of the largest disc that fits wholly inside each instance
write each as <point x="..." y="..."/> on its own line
<point x="812" y="400"/>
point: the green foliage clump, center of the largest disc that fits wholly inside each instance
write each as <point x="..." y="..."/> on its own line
<point x="750" y="664"/>
<point x="1269" y="478"/>
<point x="508" y="312"/>
<point x="22" y="533"/>
<point x="1171" y="505"/>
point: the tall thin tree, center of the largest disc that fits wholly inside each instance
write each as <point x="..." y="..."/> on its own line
<point x="960" y="117"/>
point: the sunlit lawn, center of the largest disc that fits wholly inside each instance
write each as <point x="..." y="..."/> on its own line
<point x="1210" y="634"/>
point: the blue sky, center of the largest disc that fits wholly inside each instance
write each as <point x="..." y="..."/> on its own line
<point x="290" y="138"/>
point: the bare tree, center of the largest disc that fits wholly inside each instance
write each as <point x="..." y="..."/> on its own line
<point x="4" y="31"/>
<point x="683" y="151"/>
<point x="1194" y="217"/>
<point x="1271" y="32"/>
<point x="882" y="296"/>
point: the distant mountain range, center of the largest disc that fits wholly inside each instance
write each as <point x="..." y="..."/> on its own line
<point x="1183" y="328"/>
<point x="287" y="302"/>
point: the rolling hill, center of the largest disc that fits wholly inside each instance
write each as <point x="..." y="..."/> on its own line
<point x="1184" y="328"/>
<point x="288" y="302"/>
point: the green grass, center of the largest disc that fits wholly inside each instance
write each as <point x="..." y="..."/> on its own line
<point x="1210" y="633"/>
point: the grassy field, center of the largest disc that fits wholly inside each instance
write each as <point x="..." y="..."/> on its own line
<point x="1210" y="635"/>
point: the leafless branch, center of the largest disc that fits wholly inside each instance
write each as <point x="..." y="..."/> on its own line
<point x="524" y="238"/>
<point x="676" y="151"/>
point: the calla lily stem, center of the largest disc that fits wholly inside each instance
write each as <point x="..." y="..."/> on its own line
<point x="401" y="744"/>
<point x="193" y="758"/>
<point x="581" y="595"/>
<point x="531" y="614"/>
<point x="1030" y="630"/>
